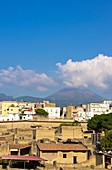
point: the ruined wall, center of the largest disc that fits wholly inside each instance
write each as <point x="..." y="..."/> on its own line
<point x="71" y="132"/>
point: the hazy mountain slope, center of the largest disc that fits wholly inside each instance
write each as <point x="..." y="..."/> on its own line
<point x="63" y="97"/>
<point x="4" y="97"/>
<point x="76" y="96"/>
<point x="29" y="99"/>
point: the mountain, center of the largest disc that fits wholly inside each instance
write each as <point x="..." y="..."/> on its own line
<point x="29" y="99"/>
<point x="64" y="97"/>
<point x="4" y="97"/>
<point x="75" y="96"/>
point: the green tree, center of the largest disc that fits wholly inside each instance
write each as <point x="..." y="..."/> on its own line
<point x="12" y="105"/>
<point x="41" y="112"/>
<point x="106" y="142"/>
<point x="100" y="122"/>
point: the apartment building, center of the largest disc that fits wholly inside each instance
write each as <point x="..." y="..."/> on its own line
<point x="54" y="112"/>
<point x="71" y="111"/>
<point x="107" y="102"/>
<point x="97" y="108"/>
<point x="89" y="110"/>
<point x="9" y="106"/>
<point x="14" y="107"/>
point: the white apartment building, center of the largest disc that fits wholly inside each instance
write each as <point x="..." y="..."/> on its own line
<point x="16" y="117"/>
<point x="10" y="117"/>
<point x="54" y="112"/>
<point x="107" y="102"/>
<point x="98" y="108"/>
<point x="80" y="114"/>
<point x="93" y="109"/>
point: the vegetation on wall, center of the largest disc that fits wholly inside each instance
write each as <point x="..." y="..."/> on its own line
<point x="41" y="112"/>
<point x="70" y="124"/>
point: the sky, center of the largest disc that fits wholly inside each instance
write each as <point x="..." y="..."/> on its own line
<point x="49" y="45"/>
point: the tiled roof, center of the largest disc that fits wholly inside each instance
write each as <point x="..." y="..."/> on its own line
<point x="2" y="138"/>
<point x="16" y="157"/>
<point x="61" y="147"/>
<point x="19" y="146"/>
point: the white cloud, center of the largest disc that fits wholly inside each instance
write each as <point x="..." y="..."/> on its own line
<point x="96" y="72"/>
<point x="41" y="89"/>
<point x="93" y="73"/>
<point x="25" y="78"/>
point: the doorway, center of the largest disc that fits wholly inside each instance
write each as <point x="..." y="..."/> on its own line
<point x="74" y="159"/>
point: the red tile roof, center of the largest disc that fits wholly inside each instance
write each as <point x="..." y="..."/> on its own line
<point x="2" y="138"/>
<point x="61" y="147"/>
<point x="19" y="146"/>
<point x="16" y="157"/>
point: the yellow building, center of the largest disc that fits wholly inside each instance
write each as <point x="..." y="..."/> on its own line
<point x="9" y="106"/>
<point x="71" y="111"/>
<point x="44" y="104"/>
<point x="14" y="107"/>
<point x="48" y="104"/>
<point x="62" y="153"/>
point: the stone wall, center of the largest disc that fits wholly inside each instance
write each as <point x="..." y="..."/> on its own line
<point x="45" y="132"/>
<point x="72" y="132"/>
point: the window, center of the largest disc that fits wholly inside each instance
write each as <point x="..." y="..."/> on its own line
<point x="64" y="155"/>
<point x="85" y="137"/>
<point x="74" y="159"/>
<point x="34" y="134"/>
<point x="56" y="111"/>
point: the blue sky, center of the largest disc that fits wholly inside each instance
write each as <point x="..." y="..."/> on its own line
<point x="36" y="35"/>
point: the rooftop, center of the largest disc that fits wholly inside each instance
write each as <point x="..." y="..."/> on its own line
<point x="19" y="146"/>
<point x="16" y="157"/>
<point x="61" y="147"/>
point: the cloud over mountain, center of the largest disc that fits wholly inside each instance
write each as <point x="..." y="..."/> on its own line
<point x="92" y="73"/>
<point x="95" y="74"/>
<point x="25" y="78"/>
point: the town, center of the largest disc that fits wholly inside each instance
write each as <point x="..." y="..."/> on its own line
<point x="41" y="135"/>
<point x="13" y="110"/>
<point x="55" y="85"/>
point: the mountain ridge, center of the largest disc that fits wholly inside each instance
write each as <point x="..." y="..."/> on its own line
<point x="63" y="97"/>
<point x="76" y="96"/>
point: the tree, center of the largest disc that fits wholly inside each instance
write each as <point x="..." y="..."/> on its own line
<point x="100" y="122"/>
<point x="41" y="112"/>
<point x="12" y="105"/>
<point x="106" y="142"/>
